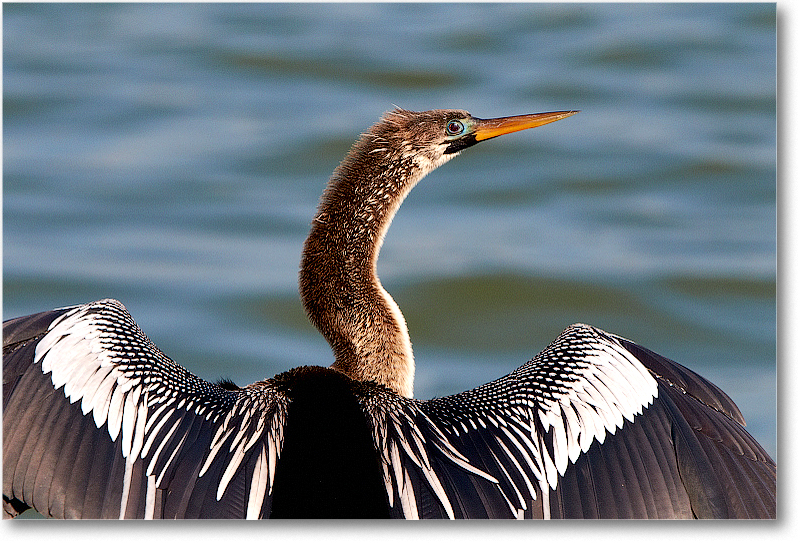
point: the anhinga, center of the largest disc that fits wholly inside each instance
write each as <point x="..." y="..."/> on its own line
<point x="98" y="422"/>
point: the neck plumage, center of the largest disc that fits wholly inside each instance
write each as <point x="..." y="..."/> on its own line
<point x="339" y="285"/>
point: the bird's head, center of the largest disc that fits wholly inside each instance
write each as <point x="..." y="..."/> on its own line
<point x="433" y="137"/>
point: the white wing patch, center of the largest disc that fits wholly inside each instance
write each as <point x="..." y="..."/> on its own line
<point x="536" y="420"/>
<point x="609" y="384"/>
<point x="102" y="359"/>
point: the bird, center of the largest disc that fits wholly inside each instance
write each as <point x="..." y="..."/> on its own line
<point x="99" y="423"/>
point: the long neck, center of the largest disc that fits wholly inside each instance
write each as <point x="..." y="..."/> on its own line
<point x="339" y="285"/>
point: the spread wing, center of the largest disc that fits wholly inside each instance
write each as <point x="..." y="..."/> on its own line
<point x="593" y="427"/>
<point x="122" y="431"/>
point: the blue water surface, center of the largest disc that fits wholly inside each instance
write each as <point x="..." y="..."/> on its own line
<point x="172" y="156"/>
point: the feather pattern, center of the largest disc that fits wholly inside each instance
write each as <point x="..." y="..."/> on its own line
<point x="582" y="430"/>
<point x="543" y="416"/>
<point x="154" y="411"/>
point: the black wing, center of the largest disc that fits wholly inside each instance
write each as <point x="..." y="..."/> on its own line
<point x="593" y="427"/>
<point x="121" y="431"/>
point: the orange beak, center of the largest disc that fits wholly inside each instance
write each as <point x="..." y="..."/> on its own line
<point x="491" y="128"/>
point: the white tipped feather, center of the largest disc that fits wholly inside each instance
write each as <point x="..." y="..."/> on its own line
<point x="258" y="486"/>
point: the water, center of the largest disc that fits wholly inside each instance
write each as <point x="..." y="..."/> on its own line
<point x="172" y="156"/>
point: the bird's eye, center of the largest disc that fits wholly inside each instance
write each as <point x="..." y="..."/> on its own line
<point x="455" y="128"/>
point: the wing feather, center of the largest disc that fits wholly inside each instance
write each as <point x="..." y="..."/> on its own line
<point x="116" y="420"/>
<point x="588" y="428"/>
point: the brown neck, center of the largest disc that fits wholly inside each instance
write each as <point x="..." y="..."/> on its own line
<point x="339" y="285"/>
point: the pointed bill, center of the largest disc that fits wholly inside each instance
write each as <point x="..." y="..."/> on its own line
<point x="491" y="128"/>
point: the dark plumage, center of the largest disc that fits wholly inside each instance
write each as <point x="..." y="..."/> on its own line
<point x="98" y="422"/>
